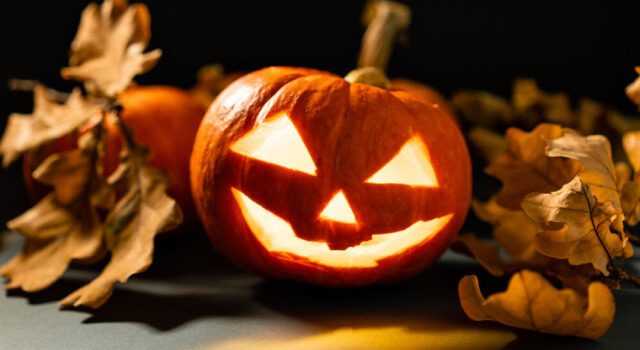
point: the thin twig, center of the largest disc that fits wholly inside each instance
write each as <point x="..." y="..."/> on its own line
<point x="623" y="275"/>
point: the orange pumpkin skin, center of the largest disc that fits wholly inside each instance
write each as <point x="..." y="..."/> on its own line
<point x="165" y="119"/>
<point x="427" y="92"/>
<point x="350" y="131"/>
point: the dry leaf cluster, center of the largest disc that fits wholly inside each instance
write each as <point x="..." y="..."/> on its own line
<point x="211" y="81"/>
<point x="86" y="217"/>
<point x="487" y="116"/>
<point x="559" y="224"/>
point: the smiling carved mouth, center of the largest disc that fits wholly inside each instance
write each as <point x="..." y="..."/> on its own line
<point x="276" y="235"/>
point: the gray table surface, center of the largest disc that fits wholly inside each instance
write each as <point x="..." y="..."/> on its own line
<point x="193" y="299"/>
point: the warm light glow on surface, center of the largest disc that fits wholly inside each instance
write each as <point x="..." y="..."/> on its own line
<point x="276" y="141"/>
<point x="277" y="235"/>
<point x="381" y="338"/>
<point x="411" y="166"/>
<point x="338" y="209"/>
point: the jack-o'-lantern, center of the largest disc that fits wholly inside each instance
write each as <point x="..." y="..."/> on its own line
<point x="300" y="174"/>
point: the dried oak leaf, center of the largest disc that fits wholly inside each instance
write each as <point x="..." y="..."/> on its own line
<point x="588" y="115"/>
<point x="487" y="142"/>
<point x="96" y="26"/>
<point x="633" y="90"/>
<point x="107" y="52"/>
<point x="567" y="218"/>
<point x="531" y="302"/>
<point x="482" y="108"/>
<point x="630" y="201"/>
<point x="512" y="229"/>
<point x="212" y="79"/>
<point x="489" y="256"/>
<point x="533" y="105"/>
<point x="142" y="211"/>
<point x="64" y="226"/>
<point x="630" y="188"/>
<point x="631" y="144"/>
<point x="623" y="173"/>
<point x="524" y="167"/>
<point x="48" y="122"/>
<point x="594" y="153"/>
<point x="514" y="232"/>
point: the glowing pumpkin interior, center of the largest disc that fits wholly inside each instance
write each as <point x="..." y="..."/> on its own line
<point x="276" y="141"/>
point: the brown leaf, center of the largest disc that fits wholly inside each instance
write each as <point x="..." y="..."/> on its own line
<point x="630" y="201"/>
<point x="524" y="167"/>
<point x="482" y="108"/>
<point x="487" y="254"/>
<point x="531" y="302"/>
<point x="631" y="144"/>
<point x="143" y="210"/>
<point x="512" y="229"/>
<point x="533" y="105"/>
<point x="56" y="235"/>
<point x="212" y="79"/>
<point x="623" y="174"/>
<point x="574" y="207"/>
<point x="97" y="24"/>
<point x="59" y="230"/>
<point x="594" y="153"/>
<point x="67" y="173"/>
<point x="107" y="52"/>
<point x="488" y="143"/>
<point x="633" y="90"/>
<point x="620" y="123"/>
<point x="48" y="122"/>
<point x="515" y="234"/>
<point x="588" y="115"/>
<point x="630" y="190"/>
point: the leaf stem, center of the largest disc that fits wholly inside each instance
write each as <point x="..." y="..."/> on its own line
<point x="595" y="227"/>
<point x="114" y="106"/>
<point x="623" y="275"/>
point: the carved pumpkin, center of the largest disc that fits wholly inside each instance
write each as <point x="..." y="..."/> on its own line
<point x="300" y="174"/>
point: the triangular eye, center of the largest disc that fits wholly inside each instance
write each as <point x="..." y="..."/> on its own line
<point x="411" y="166"/>
<point x="338" y="210"/>
<point x="277" y="141"/>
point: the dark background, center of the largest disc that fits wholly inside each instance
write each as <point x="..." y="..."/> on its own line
<point x="586" y="49"/>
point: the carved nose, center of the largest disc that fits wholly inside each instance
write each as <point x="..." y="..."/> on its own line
<point x="338" y="209"/>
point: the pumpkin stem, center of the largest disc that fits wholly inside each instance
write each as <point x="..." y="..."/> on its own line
<point x="369" y="75"/>
<point x="383" y="20"/>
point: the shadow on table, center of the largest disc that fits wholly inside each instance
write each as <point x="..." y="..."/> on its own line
<point x="163" y="312"/>
<point x="186" y="282"/>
